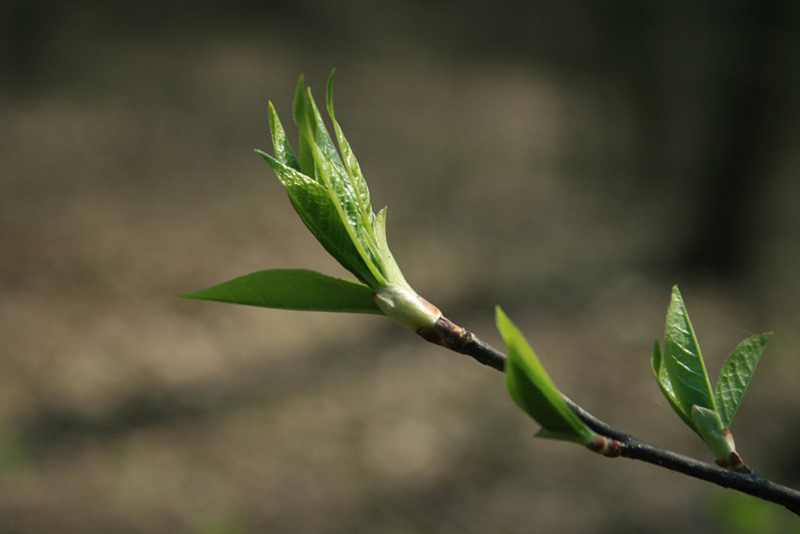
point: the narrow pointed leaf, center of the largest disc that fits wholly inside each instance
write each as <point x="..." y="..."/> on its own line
<point x="351" y="163"/>
<point x="534" y="392"/>
<point x="330" y="173"/>
<point x="325" y="153"/>
<point x="736" y="373"/>
<point x="351" y="197"/>
<point x="293" y="289"/>
<point x="683" y="361"/>
<point x="283" y="150"/>
<point x="305" y="157"/>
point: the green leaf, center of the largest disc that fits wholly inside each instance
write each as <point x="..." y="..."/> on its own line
<point x="293" y="289"/>
<point x="283" y="150"/>
<point x="350" y="195"/>
<point x="343" y="184"/>
<point x="318" y="211"/>
<point x="662" y="377"/>
<point x="534" y="392"/>
<point x="330" y="194"/>
<point x="391" y="268"/>
<point x="356" y="178"/>
<point x="683" y="361"/>
<point x="736" y="373"/>
<point x="306" y="159"/>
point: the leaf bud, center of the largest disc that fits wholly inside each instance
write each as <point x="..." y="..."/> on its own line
<point x="406" y="307"/>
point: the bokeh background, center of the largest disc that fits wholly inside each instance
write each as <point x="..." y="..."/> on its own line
<point x="570" y="161"/>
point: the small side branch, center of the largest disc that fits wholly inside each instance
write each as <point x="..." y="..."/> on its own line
<point x="455" y="338"/>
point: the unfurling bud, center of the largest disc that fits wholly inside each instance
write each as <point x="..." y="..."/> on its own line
<point x="405" y="307"/>
<point x="718" y="438"/>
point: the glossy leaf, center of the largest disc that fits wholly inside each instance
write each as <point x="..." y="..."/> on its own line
<point x="354" y="175"/>
<point x="683" y="361"/>
<point x="350" y="197"/>
<point x="281" y="145"/>
<point x="534" y="392"/>
<point x="293" y="289"/>
<point x="330" y="194"/>
<point x="736" y="373"/>
<point x="318" y="211"/>
<point x="345" y="197"/>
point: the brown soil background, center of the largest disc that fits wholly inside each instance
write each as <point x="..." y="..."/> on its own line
<point x="519" y="171"/>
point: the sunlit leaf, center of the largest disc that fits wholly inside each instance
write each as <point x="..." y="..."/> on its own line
<point x="736" y="373"/>
<point x="534" y="392"/>
<point x="343" y="183"/>
<point x="293" y="289"/>
<point x="318" y="211"/>
<point x="356" y="178"/>
<point x="349" y="193"/>
<point x="392" y="270"/>
<point x="683" y="361"/>
<point x="283" y="149"/>
<point x="331" y="196"/>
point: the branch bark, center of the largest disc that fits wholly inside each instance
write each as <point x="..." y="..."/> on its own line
<point x="455" y="338"/>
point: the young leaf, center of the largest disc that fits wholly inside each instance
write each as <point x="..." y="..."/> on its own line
<point x="662" y="377"/>
<point x="534" y="392"/>
<point x="355" y="176"/>
<point x="683" y="361"/>
<point x="736" y="373"/>
<point x="305" y="159"/>
<point x="283" y="149"/>
<point x="332" y="199"/>
<point x="293" y="289"/>
<point x="330" y="193"/>
<point x="318" y="211"/>
<point x="390" y="265"/>
<point x="348" y="195"/>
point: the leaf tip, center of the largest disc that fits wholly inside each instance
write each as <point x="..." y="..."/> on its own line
<point x="189" y="295"/>
<point x="330" y="80"/>
<point x="499" y="315"/>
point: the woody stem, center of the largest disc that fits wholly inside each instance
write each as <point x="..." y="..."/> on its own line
<point x="455" y="338"/>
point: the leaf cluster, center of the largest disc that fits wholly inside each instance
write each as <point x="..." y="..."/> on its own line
<point x="682" y="376"/>
<point x="329" y="192"/>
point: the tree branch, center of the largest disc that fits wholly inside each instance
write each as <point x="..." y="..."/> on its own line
<point x="455" y="338"/>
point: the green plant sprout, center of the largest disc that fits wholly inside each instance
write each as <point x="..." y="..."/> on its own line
<point x="682" y="377"/>
<point x="330" y="194"/>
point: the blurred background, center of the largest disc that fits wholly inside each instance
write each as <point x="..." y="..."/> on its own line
<point x="570" y="161"/>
